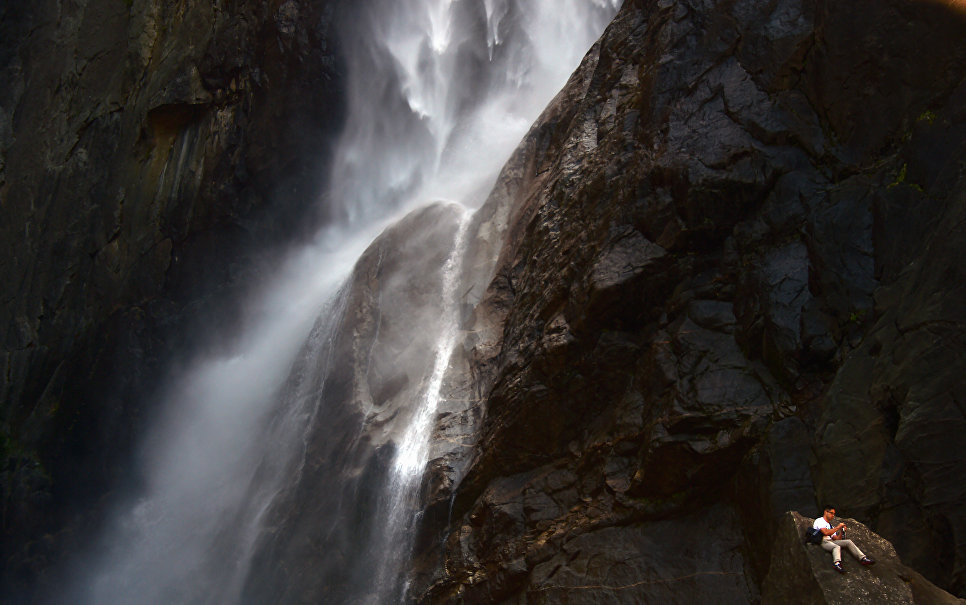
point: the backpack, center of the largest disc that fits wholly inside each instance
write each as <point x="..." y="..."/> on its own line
<point x="813" y="536"/>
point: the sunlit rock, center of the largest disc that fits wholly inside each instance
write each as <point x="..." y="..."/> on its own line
<point x="802" y="573"/>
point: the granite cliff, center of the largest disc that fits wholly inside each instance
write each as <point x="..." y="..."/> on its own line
<point x="728" y="287"/>
<point x="717" y="281"/>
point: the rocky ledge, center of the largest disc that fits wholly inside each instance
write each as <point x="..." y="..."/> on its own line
<point x="802" y="573"/>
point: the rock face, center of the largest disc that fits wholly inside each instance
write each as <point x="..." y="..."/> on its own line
<point x="321" y="539"/>
<point x="728" y="286"/>
<point x="151" y="154"/>
<point x="718" y="281"/>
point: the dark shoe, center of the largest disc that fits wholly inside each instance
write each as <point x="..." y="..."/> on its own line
<point x="866" y="561"/>
<point x="838" y="567"/>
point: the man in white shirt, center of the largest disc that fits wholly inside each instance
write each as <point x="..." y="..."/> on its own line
<point x="834" y="540"/>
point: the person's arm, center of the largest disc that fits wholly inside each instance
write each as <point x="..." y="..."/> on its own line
<point x="834" y="530"/>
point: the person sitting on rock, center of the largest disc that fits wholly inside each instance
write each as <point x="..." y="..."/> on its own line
<point x="834" y="540"/>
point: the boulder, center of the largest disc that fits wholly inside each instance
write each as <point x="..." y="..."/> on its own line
<point x="803" y="573"/>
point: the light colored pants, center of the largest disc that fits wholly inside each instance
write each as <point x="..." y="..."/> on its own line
<point x="835" y="547"/>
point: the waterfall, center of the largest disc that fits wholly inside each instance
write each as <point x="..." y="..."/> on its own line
<point x="249" y="448"/>
<point x="393" y="539"/>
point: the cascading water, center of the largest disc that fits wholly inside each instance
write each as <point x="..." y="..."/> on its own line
<point x="400" y="505"/>
<point x="271" y="452"/>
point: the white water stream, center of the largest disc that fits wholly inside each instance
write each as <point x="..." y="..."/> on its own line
<point x="440" y="92"/>
<point x="393" y="535"/>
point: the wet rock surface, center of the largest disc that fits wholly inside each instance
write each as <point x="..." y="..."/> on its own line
<point x="727" y="289"/>
<point x="319" y="536"/>
<point x="152" y="157"/>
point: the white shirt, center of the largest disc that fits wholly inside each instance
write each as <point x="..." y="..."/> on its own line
<point x="821" y="523"/>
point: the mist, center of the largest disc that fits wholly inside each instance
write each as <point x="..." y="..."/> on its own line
<point x="440" y="92"/>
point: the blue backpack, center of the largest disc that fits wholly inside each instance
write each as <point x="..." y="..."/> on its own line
<point x="813" y="536"/>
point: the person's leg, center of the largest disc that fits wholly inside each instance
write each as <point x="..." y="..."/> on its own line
<point x="849" y="544"/>
<point x="833" y="548"/>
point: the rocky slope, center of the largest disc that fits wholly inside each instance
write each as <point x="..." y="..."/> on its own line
<point x="151" y="154"/>
<point x="729" y="286"/>
<point x="800" y="573"/>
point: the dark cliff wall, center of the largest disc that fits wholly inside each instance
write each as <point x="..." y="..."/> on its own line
<point x="728" y="284"/>
<point x="731" y="286"/>
<point x="152" y="155"/>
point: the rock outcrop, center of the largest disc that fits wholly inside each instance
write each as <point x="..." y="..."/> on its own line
<point x="802" y="573"/>
<point x="151" y="156"/>
<point x="728" y="287"/>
